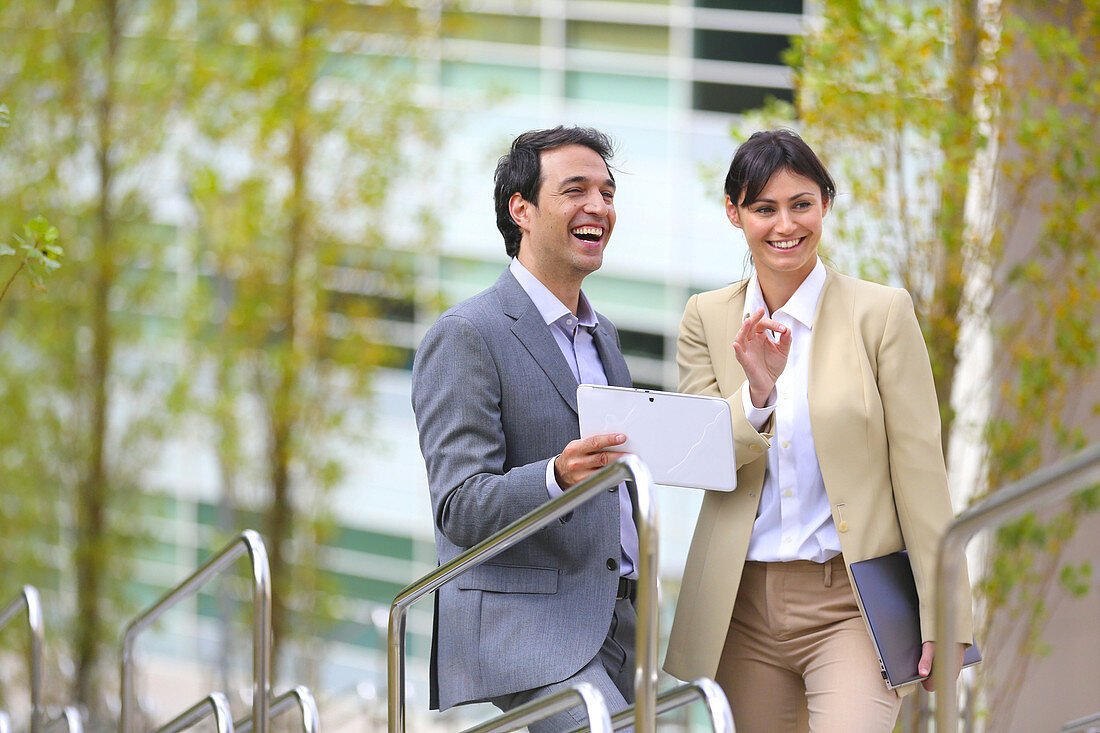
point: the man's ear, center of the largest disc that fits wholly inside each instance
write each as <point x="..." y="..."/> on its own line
<point x="520" y="210"/>
<point x="731" y="213"/>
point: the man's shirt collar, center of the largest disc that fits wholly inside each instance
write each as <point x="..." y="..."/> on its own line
<point x="549" y="307"/>
<point x="801" y="306"/>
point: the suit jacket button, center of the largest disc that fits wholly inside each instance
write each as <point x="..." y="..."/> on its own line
<point x="612" y="564"/>
<point x="842" y="527"/>
<point x="613" y="489"/>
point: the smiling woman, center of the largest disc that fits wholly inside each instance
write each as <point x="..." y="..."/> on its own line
<point x="782" y="228"/>
<point x="837" y="440"/>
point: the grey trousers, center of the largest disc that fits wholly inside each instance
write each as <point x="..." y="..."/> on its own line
<point x="611" y="672"/>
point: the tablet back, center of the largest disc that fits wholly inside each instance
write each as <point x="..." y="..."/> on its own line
<point x="685" y="440"/>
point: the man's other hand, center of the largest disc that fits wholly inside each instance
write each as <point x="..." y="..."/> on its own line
<point x="582" y="458"/>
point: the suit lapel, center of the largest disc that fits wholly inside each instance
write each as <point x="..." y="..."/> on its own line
<point x="725" y="363"/>
<point x="535" y="336"/>
<point x="835" y="382"/>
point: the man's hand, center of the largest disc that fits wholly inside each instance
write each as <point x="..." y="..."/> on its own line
<point x="924" y="666"/>
<point x="762" y="359"/>
<point x="582" y="458"/>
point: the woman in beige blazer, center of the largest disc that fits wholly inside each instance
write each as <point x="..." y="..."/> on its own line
<point x="838" y="456"/>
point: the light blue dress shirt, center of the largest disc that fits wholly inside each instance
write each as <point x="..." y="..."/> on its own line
<point x="573" y="335"/>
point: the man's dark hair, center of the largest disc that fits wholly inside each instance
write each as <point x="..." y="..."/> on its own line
<point x="520" y="171"/>
<point x="766" y="152"/>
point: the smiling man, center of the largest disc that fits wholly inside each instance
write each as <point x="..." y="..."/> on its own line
<point x="494" y="392"/>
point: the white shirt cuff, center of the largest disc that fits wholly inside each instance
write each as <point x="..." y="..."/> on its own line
<point x="756" y="416"/>
<point x="552" y="488"/>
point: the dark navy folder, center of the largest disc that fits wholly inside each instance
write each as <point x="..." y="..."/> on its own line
<point x="889" y="597"/>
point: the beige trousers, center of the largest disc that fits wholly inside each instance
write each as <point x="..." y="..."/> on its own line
<point x="798" y="656"/>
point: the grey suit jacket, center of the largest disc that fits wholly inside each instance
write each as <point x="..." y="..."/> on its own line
<point x="495" y="400"/>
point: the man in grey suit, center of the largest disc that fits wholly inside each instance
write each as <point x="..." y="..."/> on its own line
<point x="494" y="392"/>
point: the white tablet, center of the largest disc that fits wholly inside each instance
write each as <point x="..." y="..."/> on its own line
<point x="685" y="440"/>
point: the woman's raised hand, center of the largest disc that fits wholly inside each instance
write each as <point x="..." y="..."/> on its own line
<point x="762" y="358"/>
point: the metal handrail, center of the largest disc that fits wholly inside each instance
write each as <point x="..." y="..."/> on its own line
<point x="593" y="701"/>
<point x="704" y="688"/>
<point x="1041" y="488"/>
<point x="213" y="704"/>
<point x="28" y="598"/>
<point x="70" y="716"/>
<point x="630" y="469"/>
<point x="1084" y="724"/>
<point x="248" y="542"/>
<point x="299" y="697"/>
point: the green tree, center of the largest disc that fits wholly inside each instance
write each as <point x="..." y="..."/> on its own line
<point x="294" y="255"/>
<point x="35" y="251"/>
<point x="86" y="81"/>
<point x="1046" y="319"/>
<point x="938" y="118"/>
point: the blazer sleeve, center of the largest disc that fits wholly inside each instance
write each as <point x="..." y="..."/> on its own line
<point x="456" y="395"/>
<point x="917" y="471"/>
<point x="697" y="376"/>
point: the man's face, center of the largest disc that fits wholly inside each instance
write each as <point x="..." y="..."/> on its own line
<point x="565" y="235"/>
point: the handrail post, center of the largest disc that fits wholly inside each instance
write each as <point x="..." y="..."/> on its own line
<point x="28" y="598"/>
<point x="248" y="542"/>
<point x="642" y="495"/>
<point x="1041" y="488"/>
<point x="628" y="468"/>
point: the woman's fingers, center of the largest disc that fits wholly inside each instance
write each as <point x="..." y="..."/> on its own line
<point x="757" y="324"/>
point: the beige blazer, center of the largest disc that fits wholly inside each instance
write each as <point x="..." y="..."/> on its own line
<point x="876" y="426"/>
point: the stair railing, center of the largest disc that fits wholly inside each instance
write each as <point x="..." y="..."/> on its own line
<point x="585" y="693"/>
<point x="1041" y="488"/>
<point x="299" y="697"/>
<point x="213" y="704"/>
<point x="630" y="469"/>
<point x="704" y="688"/>
<point x="249" y="542"/>
<point x="70" y="716"/>
<point x="1087" y="724"/>
<point x="28" y="599"/>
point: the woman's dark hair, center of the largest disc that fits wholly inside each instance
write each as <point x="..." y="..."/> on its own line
<point x="520" y="171"/>
<point x="766" y="152"/>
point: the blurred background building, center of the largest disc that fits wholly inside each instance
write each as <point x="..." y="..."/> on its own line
<point x="668" y="80"/>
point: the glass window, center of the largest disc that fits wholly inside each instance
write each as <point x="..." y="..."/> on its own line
<point x="374" y="543"/>
<point x="490" y="77"/>
<point x="652" y="39"/>
<point x="733" y="98"/>
<point x="761" y="6"/>
<point x="390" y="18"/>
<point x="752" y="48"/>
<point x="491" y="27"/>
<point x="642" y="343"/>
<point x="619" y="88"/>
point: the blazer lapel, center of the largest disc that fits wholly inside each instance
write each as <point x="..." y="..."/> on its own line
<point x="835" y="383"/>
<point x="535" y="336"/>
<point x="726" y="367"/>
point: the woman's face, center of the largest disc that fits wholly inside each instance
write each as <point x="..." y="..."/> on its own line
<point x="782" y="227"/>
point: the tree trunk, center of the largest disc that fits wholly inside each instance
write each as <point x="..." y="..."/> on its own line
<point x="959" y="145"/>
<point x="91" y="554"/>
